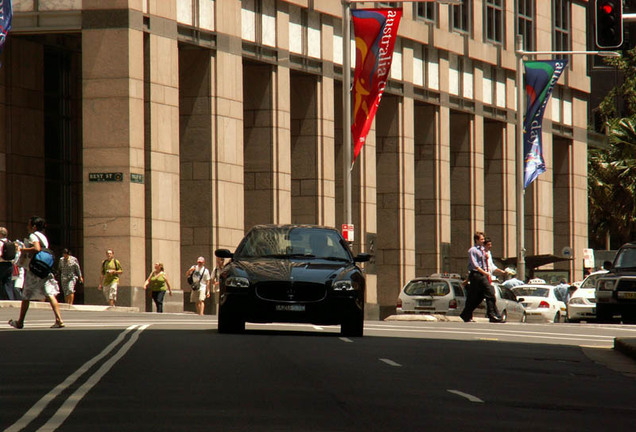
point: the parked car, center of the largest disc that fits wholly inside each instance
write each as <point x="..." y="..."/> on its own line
<point x="616" y="290"/>
<point x="540" y="302"/>
<point x="292" y="273"/>
<point x="435" y="294"/>
<point x="507" y="304"/>
<point x="582" y="303"/>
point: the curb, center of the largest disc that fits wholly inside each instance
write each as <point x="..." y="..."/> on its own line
<point x="66" y="306"/>
<point x="626" y="346"/>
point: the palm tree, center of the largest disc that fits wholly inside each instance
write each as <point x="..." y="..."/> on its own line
<point x="612" y="185"/>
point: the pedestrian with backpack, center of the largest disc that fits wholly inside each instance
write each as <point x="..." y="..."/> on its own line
<point x="7" y="256"/>
<point x="109" y="278"/>
<point x="39" y="280"/>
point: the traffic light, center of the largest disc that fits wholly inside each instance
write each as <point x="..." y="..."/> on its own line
<point x="609" y="23"/>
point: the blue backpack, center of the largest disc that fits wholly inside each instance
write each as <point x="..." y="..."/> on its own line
<point x="41" y="264"/>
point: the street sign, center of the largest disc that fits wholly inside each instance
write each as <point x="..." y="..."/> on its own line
<point x="347" y="232"/>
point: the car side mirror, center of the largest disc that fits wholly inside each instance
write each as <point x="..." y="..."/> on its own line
<point x="363" y="257"/>
<point x="520" y="299"/>
<point x="224" y="253"/>
<point x="607" y="265"/>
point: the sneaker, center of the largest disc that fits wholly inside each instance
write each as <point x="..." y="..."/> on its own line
<point x="58" y="324"/>
<point x="15" y="324"/>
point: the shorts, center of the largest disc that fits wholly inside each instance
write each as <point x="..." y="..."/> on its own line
<point x="68" y="286"/>
<point x="198" y="295"/>
<point x="36" y="288"/>
<point x="110" y="291"/>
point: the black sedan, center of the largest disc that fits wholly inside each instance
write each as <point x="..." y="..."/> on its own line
<point x="292" y="273"/>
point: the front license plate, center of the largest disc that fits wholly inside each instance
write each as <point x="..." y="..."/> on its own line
<point x="627" y="295"/>
<point x="290" y="308"/>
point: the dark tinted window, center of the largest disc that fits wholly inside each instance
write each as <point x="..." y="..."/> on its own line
<point x="296" y="241"/>
<point x="457" y="289"/>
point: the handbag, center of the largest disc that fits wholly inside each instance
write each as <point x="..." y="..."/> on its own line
<point x="195" y="285"/>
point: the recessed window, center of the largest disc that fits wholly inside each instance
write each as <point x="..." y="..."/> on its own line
<point x="460" y="17"/>
<point x="426" y="11"/>
<point x="525" y="23"/>
<point x="561" y="21"/>
<point x="494" y="21"/>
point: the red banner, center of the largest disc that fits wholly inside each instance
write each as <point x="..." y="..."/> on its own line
<point x="375" y="33"/>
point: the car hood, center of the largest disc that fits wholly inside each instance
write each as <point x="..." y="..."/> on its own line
<point x="312" y="270"/>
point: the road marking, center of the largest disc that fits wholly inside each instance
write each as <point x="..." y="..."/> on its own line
<point x="390" y="362"/>
<point x="467" y="396"/>
<point x="39" y="406"/>
<point x="344" y="339"/>
<point x="67" y="408"/>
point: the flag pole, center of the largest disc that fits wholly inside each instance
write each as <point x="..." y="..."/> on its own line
<point x="346" y="108"/>
<point x="521" y="250"/>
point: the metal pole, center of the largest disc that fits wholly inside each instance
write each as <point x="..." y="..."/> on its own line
<point x="521" y="250"/>
<point x="346" y="108"/>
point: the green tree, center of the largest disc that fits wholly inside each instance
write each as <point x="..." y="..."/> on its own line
<point x="612" y="185"/>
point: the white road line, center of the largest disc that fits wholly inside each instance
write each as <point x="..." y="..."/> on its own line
<point x="344" y="339"/>
<point x="467" y="396"/>
<point x="390" y="362"/>
<point x="39" y="406"/>
<point x="67" y="408"/>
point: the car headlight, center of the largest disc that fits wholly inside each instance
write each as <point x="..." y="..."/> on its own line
<point x="237" y="282"/>
<point x="606" y="285"/>
<point x="344" y="285"/>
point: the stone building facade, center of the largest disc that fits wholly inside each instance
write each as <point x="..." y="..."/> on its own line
<point x="164" y="129"/>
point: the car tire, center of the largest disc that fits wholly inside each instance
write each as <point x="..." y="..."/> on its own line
<point x="353" y="325"/>
<point x="504" y="316"/>
<point x="524" y="318"/>
<point x="557" y="318"/>
<point x="629" y="317"/>
<point x="604" y="314"/>
<point x="229" y="323"/>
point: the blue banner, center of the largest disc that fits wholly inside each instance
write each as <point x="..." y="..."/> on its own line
<point x="541" y="77"/>
<point x="6" y="15"/>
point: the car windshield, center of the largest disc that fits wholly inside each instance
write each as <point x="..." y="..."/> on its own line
<point x="427" y="288"/>
<point x="293" y="242"/>
<point x="590" y="281"/>
<point x="531" y="291"/>
<point x="626" y="258"/>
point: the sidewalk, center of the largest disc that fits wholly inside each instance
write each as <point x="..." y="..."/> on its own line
<point x="626" y="346"/>
<point x="66" y="306"/>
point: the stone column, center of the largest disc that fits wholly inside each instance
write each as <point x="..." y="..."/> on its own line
<point x="162" y="148"/>
<point x="227" y="113"/>
<point x="113" y="137"/>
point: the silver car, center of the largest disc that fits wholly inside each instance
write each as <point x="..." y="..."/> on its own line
<point x="509" y="308"/>
<point x="436" y="294"/>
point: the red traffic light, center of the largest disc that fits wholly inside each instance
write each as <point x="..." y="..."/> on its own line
<point x="607" y="8"/>
<point x="608" y="23"/>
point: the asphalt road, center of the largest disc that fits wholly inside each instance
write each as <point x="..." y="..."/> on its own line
<point x="135" y="372"/>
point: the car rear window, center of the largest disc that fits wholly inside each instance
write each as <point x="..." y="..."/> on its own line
<point x="531" y="291"/>
<point x="427" y="287"/>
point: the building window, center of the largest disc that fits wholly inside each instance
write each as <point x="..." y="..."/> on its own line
<point x="494" y="21"/>
<point x="525" y="23"/>
<point x="561" y="20"/>
<point x="426" y="11"/>
<point x="460" y="17"/>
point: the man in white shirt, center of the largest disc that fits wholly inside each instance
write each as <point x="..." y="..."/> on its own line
<point x="491" y="268"/>
<point x="201" y="284"/>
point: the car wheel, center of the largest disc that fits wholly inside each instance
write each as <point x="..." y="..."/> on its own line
<point x="557" y="318"/>
<point x="504" y="316"/>
<point x="229" y="323"/>
<point x="604" y="314"/>
<point x="629" y="317"/>
<point x="353" y="325"/>
<point x="524" y="318"/>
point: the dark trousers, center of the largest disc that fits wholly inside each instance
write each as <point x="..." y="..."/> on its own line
<point x="158" y="296"/>
<point x="478" y="289"/>
<point x="7" y="288"/>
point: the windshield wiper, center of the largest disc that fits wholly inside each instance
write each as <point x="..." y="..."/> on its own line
<point x="330" y="258"/>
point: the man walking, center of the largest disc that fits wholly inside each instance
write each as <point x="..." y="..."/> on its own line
<point x="109" y="279"/>
<point x="479" y="285"/>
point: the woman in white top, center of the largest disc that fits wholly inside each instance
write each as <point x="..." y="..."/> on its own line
<point x="36" y="288"/>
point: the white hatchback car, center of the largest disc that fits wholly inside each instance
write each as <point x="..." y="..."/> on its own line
<point x="436" y="294"/>
<point x="540" y="302"/>
<point x="582" y="304"/>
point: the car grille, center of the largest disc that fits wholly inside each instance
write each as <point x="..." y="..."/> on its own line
<point x="626" y="285"/>
<point x="285" y="291"/>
